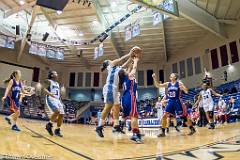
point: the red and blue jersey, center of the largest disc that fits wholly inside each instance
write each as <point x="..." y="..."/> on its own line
<point x="129" y="98"/>
<point x="14" y="96"/>
<point x="129" y="86"/>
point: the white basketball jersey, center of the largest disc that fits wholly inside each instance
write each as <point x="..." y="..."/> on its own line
<point x="54" y="89"/>
<point x="112" y="77"/>
<point x="206" y="97"/>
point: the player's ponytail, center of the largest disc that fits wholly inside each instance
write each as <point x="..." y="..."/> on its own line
<point x="104" y="65"/>
<point x="12" y="76"/>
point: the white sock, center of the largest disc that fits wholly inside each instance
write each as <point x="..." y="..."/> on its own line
<point x="100" y="123"/>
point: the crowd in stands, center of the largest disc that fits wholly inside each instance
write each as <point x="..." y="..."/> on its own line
<point x="34" y="107"/>
<point x="227" y="108"/>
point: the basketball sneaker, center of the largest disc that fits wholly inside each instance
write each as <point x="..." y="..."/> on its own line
<point x="15" y="128"/>
<point x="49" y="128"/>
<point x="58" y="132"/>
<point x="117" y="129"/>
<point x="177" y="129"/>
<point x="192" y="131"/>
<point x="211" y="126"/>
<point x="8" y="120"/>
<point x="162" y="134"/>
<point x="99" y="131"/>
<point x="137" y="138"/>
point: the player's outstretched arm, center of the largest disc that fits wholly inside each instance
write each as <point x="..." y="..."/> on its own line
<point x="9" y="86"/>
<point x="46" y="84"/>
<point x="125" y="65"/>
<point x="156" y="82"/>
<point x="183" y="87"/>
<point x="134" y="69"/>
<point x="119" y="60"/>
<point x="215" y="93"/>
<point x="196" y="105"/>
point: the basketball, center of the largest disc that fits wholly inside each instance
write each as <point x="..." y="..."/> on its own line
<point x="136" y="52"/>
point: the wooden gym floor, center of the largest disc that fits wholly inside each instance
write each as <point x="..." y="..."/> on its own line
<point x="81" y="142"/>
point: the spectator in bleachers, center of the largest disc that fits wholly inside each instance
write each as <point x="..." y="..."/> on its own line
<point x="231" y="103"/>
<point x="234" y="90"/>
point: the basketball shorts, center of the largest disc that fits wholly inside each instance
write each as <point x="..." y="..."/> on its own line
<point x="129" y="105"/>
<point x="174" y="107"/>
<point x="111" y="94"/>
<point x="14" y="104"/>
<point x="208" y="107"/>
<point x="55" y="104"/>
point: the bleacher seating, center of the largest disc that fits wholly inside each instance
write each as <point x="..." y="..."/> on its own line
<point x="34" y="107"/>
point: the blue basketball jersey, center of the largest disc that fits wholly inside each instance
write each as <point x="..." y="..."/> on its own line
<point x="129" y="86"/>
<point x="16" y="90"/>
<point x="173" y="91"/>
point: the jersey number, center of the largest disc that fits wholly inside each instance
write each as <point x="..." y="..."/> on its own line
<point x="172" y="94"/>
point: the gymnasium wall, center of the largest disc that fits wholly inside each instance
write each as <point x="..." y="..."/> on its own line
<point x="84" y="93"/>
<point x="10" y="56"/>
<point x="198" y="49"/>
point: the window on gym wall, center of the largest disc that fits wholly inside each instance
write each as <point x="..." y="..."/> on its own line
<point x="96" y="79"/>
<point x="80" y="79"/>
<point x="189" y="67"/>
<point x="72" y="79"/>
<point x="149" y="77"/>
<point x="88" y="79"/>
<point x="175" y="68"/>
<point x="161" y="75"/>
<point x="214" y="58"/>
<point x="224" y="55"/>
<point x="182" y="69"/>
<point x="197" y="64"/>
<point x="234" y="51"/>
<point x="141" y="78"/>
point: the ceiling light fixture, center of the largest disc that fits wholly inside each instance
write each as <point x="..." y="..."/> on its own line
<point x="81" y="34"/>
<point x="59" y="12"/>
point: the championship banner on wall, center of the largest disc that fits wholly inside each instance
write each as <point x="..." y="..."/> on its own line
<point x="98" y="51"/>
<point x="136" y="30"/>
<point x="46" y="51"/>
<point x="146" y="123"/>
<point x="128" y="32"/>
<point x="7" y="41"/>
<point x="157" y="18"/>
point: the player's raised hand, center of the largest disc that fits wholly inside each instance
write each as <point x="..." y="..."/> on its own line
<point x="3" y="99"/>
<point x="154" y="76"/>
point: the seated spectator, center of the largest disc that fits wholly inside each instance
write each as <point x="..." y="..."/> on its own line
<point x="231" y="103"/>
<point x="234" y="90"/>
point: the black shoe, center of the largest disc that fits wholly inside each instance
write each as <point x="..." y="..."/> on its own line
<point x="137" y="138"/>
<point x="192" y="131"/>
<point x="177" y="129"/>
<point x="15" y="128"/>
<point x="99" y="131"/>
<point x="58" y="133"/>
<point x="117" y="129"/>
<point x="161" y="135"/>
<point x="211" y="126"/>
<point x="49" y="128"/>
<point x="167" y="130"/>
<point x="8" y="120"/>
